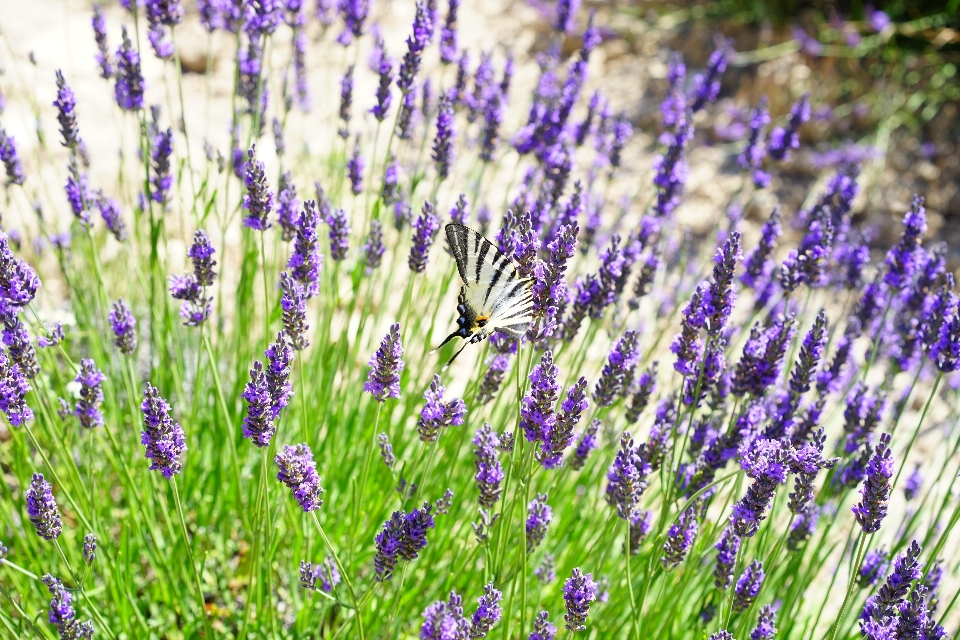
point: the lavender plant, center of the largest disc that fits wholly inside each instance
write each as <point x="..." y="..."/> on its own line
<point x="790" y="473"/>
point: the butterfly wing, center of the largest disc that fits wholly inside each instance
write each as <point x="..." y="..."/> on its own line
<point x="493" y="297"/>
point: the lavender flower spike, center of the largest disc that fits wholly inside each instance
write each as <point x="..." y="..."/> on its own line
<point x="782" y="140"/>
<point x="124" y="327"/>
<point x="18" y="280"/>
<point x="446" y="137"/>
<point x="578" y="592"/>
<point x="448" y="34"/>
<point x="99" y="25"/>
<point x="537" y="416"/>
<point x="871" y="510"/>
<point x="680" y="538"/>
<point x="298" y="471"/>
<point x="767" y="462"/>
<point x="10" y="159"/>
<point x="62" y="614"/>
<point x="543" y="629"/>
<point x="489" y="470"/>
<point x="13" y="390"/>
<point x="437" y="414"/>
<point x="751" y="158"/>
<point x="293" y="302"/>
<point x="903" y="259"/>
<point x="748" y="586"/>
<point x="560" y="436"/>
<point x="383" y="380"/>
<point x="538" y="519"/>
<point x="66" y="105"/>
<point x="42" y="508"/>
<point x="623" y="358"/>
<point x="339" y="224"/>
<point x="488" y="610"/>
<point x="258" y="423"/>
<point x="128" y="80"/>
<point x="91" y="395"/>
<point x="425" y="229"/>
<point x="445" y="621"/>
<point x="258" y="200"/>
<point x="355" y="166"/>
<point x="384" y="97"/>
<point x="279" y="359"/>
<point x="306" y="261"/>
<point x="161" y="436"/>
<point x="416" y="43"/>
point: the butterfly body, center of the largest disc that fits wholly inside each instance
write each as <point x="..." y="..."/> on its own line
<point x="493" y="296"/>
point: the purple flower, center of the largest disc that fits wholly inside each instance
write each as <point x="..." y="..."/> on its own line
<point x="880" y="610"/>
<point x="539" y="515"/>
<point x="488" y="611"/>
<point x="874" y="567"/>
<point x="13" y="390"/>
<point x="373" y="248"/>
<point x="354" y="14"/>
<point x="782" y="140"/>
<point x="383" y="380"/>
<point x="18" y="280"/>
<point x="162" y="437"/>
<point x="287" y="205"/>
<point x="405" y="117"/>
<point x="201" y="253"/>
<point x="687" y="344"/>
<point x="55" y="338"/>
<point x="62" y="614"/>
<point x="586" y="444"/>
<point x="17" y="340"/>
<point x="489" y="470"/>
<point x="758" y="266"/>
<point x="100" y="35"/>
<point x="751" y="158"/>
<point x="416" y="43"/>
<point x="871" y="510"/>
<point x="579" y="591"/>
<point x="759" y="366"/>
<point x="537" y="417"/>
<point x="339" y="224"/>
<point x="110" y="210"/>
<point x="306" y="261"/>
<point x="211" y="14"/>
<point x="326" y="573"/>
<point x="627" y="477"/>
<point x="706" y="85"/>
<point x="809" y="461"/>
<point x="297" y="470"/>
<point x="258" y="423"/>
<point x="355" y="166"/>
<point x="258" y="200"/>
<point x="300" y="69"/>
<point x="566" y="15"/>
<point x="390" y="191"/>
<point x="767" y="462"/>
<point x="157" y="35"/>
<point x="89" y="548"/>
<point x="542" y="628"/>
<point x="671" y="169"/>
<point x="646" y="385"/>
<point x="727" y="549"/>
<point x="878" y="19"/>
<point x="425" y="229"/>
<point x="293" y="303"/>
<point x="680" y="538"/>
<point x="402" y="538"/>
<point x="674" y="104"/>
<point x="903" y="259"/>
<point x="723" y="634"/>
<point x="748" y="586"/>
<point x="42" y="508"/>
<point x="384" y="97"/>
<point x="437" y="413"/>
<point x="78" y="193"/>
<point x="10" y="159"/>
<point x="91" y="395"/>
<point x="550" y="287"/>
<point x="66" y="105"/>
<point x="165" y="12"/>
<point x="914" y="482"/>
<point x="622" y="358"/>
<point x="445" y="621"/>
<point x="448" y="34"/>
<point x="443" y="143"/>
<point x="560" y="435"/>
<point x="346" y="100"/>
<point x="279" y="359"/>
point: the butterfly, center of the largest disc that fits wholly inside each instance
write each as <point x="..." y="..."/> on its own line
<point x="493" y="297"/>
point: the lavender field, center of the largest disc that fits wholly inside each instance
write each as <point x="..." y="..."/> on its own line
<point x="229" y="252"/>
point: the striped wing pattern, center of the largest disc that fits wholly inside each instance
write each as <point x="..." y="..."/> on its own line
<point x="494" y="297"/>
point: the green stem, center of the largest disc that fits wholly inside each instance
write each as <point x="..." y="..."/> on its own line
<point x="193" y="565"/>
<point x="343" y="574"/>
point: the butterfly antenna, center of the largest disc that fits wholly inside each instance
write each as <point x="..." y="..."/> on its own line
<point x="450" y="361"/>
<point x="446" y="340"/>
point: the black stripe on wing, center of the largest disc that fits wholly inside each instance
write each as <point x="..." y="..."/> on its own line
<point x="467" y="244"/>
